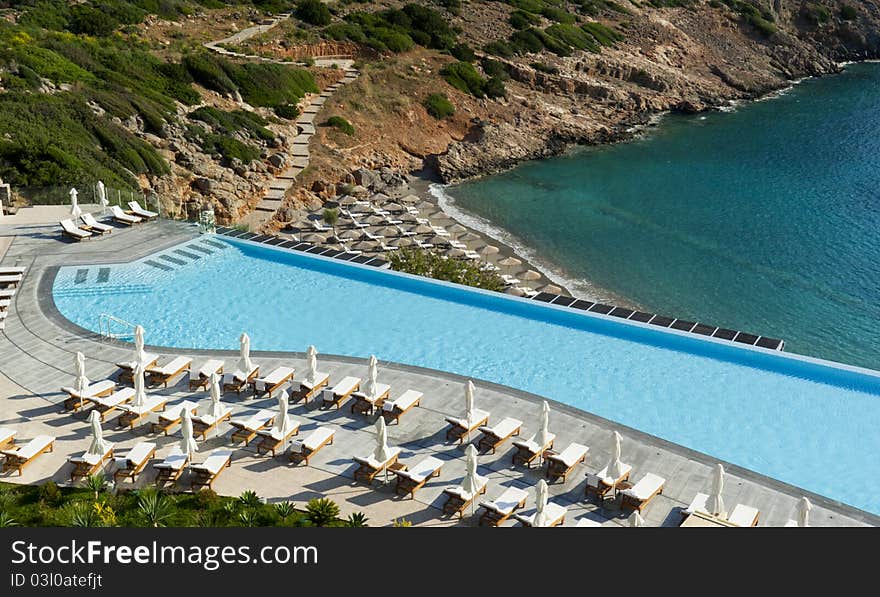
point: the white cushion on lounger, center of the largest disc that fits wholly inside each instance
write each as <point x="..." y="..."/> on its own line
<point x="89" y="220"/>
<point x="239" y="375"/>
<point x="531" y="445"/>
<point x="276" y="435"/>
<point x="273" y="378"/>
<point x="588" y="522"/>
<point x="344" y="385"/>
<point x="6" y="434"/>
<point x="172" y="366"/>
<point x="138" y="453"/>
<point x="552" y="513"/>
<point x="116" y="398"/>
<point x="459" y="491"/>
<point x="645" y="487"/>
<point x="698" y="504"/>
<point x="209" y="367"/>
<point x="8" y="270"/>
<point x="381" y="388"/>
<point x="13" y="279"/>
<point x="121" y="215"/>
<point x="207" y="419"/>
<point x="312" y="440"/>
<point x="571" y="454"/>
<point x="71" y="228"/>
<point x="214" y="462"/>
<point x="149" y="357"/>
<point x="256" y="420"/>
<point x="507" y="501"/>
<point x="30" y="449"/>
<point x="743" y="515"/>
<point x="140" y="211"/>
<point x="424" y="469"/>
<point x="403" y="402"/>
<point x="93" y="459"/>
<point x="150" y="404"/>
<point x="603" y="474"/>
<point x="93" y="389"/>
<point x="175" y="460"/>
<point x="478" y="415"/>
<point x="375" y="464"/>
<point x="504" y="428"/>
<point x="319" y="378"/>
<point x="175" y="412"/>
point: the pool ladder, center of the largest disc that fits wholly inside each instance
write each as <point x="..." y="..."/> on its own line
<point x="105" y="327"/>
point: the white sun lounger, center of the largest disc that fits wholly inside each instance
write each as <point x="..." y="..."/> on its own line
<point x="201" y="377"/>
<point x="11" y="279"/>
<point x="744" y="516"/>
<point x="4" y="303"/>
<point x="366" y="404"/>
<point x="206" y="473"/>
<point x="639" y="495"/>
<point x="89" y="464"/>
<point x="554" y="512"/>
<point x="94" y="225"/>
<point x="238" y="379"/>
<point x="302" y="450"/>
<point x="494" y="436"/>
<point x="165" y="373"/>
<point x="76" y="400"/>
<point x="172" y="416"/>
<point x="7" y="437"/>
<point x="17" y="458"/>
<point x="127" y="367"/>
<point x="110" y="403"/>
<point x="408" y="481"/>
<point x="501" y="508"/>
<point x="268" y="384"/>
<point x="392" y="410"/>
<point x="272" y="439"/>
<point x="134" y="414"/>
<point x="458" y="499"/>
<point x="134" y="462"/>
<point x="246" y="429"/>
<point x="308" y="388"/>
<point x="527" y="450"/>
<point x="341" y="391"/>
<point x="461" y="426"/>
<point x="122" y="217"/>
<point x="698" y="504"/>
<point x="71" y="230"/>
<point x="172" y="467"/>
<point x="140" y="212"/>
<point x="560" y="465"/>
<point x="370" y="467"/>
<point x="7" y="293"/>
<point x="8" y="270"/>
<point x="598" y="483"/>
<point x="202" y="424"/>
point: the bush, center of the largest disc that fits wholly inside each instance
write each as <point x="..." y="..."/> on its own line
<point x="463" y="52"/>
<point x="433" y="265"/>
<point x="50" y="493"/>
<point x="439" y="106"/>
<point x="499" y="48"/>
<point x="557" y="14"/>
<point x="494" y="68"/>
<point x="289" y="111"/>
<point x="520" y="19"/>
<point x="338" y="122"/>
<point x="604" y="35"/>
<point x="545" y="68"/>
<point x="464" y="77"/>
<point x="848" y="12"/>
<point x="313" y="11"/>
<point x="494" y="88"/>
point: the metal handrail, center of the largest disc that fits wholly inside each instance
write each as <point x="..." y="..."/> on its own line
<point x="104" y="326"/>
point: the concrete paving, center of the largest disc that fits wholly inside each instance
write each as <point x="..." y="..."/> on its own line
<point x="36" y="358"/>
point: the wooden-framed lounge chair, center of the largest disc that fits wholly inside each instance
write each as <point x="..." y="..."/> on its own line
<point x="124" y="218"/>
<point x="561" y="464"/>
<point x="370" y="467"/>
<point x="130" y="465"/>
<point x="554" y="512"/>
<point x="744" y="516"/>
<point x="495" y="436"/>
<point x="170" y="469"/>
<point x="237" y="380"/>
<point x="409" y="480"/>
<point x="202" y="424"/>
<point x="135" y="209"/>
<point x="271" y="440"/>
<point x="73" y="231"/>
<point x="268" y="384"/>
<point x="164" y="373"/>
<point x="10" y="280"/>
<point x="308" y="389"/>
<point x="126" y="368"/>
<point x="461" y="428"/>
<point x="698" y="504"/>
<point x="365" y="404"/>
<point x="246" y="429"/>
<point x="339" y="393"/>
<point x="7" y="438"/>
<point x="106" y="405"/>
<point x="12" y="270"/>
<point x="20" y="456"/>
<point x="392" y="410"/>
<point x="597" y="486"/>
<point x="501" y="508"/>
<point x="134" y="415"/>
<point x="205" y="473"/>
<point x="458" y="499"/>
<point x="201" y="377"/>
<point x="172" y="416"/>
<point x="89" y="464"/>
<point x="302" y="450"/>
<point x="527" y="450"/>
<point x="77" y="400"/>
<point x="640" y="495"/>
<point x="94" y="226"/>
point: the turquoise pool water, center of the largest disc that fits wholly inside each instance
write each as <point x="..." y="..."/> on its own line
<point x="805" y="423"/>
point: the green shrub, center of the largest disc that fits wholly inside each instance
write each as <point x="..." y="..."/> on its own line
<point x="557" y="14"/>
<point x="464" y="77"/>
<point x="494" y="68"/>
<point x="545" y="68"/>
<point x="499" y="48"/>
<point x="495" y="88"/>
<point x="289" y="111"/>
<point x="848" y="12"/>
<point x="604" y="35"/>
<point x="433" y="265"/>
<point x="463" y="52"/>
<point x="439" y="106"/>
<point x="338" y="122"/>
<point x="313" y="11"/>
<point x="520" y="19"/>
<point x="816" y="14"/>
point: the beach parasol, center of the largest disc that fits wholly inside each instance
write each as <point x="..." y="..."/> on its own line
<point x="140" y="357"/>
<point x="314" y="238"/>
<point x="543" y="436"/>
<point x="140" y="390"/>
<point x="488" y="250"/>
<point x="470" y="236"/>
<point x="312" y="364"/>
<point x="187" y="443"/>
<point x="551" y="289"/>
<point x="372" y="375"/>
<point x="614" y="469"/>
<point x="509" y="262"/>
<point x="244" y="363"/>
<point x="471" y="482"/>
<point x="514" y="291"/>
<point x="457" y="228"/>
<point x="282" y="421"/>
<point x="409" y="199"/>
<point x="75" y="210"/>
<point x="803" y="513"/>
<point x="715" y="503"/>
<point x="455" y="253"/>
<point x="98" y="447"/>
<point x="81" y="382"/>
<point x="102" y="196"/>
<point x="346" y="200"/>
<point x="530" y="275"/>
<point x="381" y="453"/>
<point x="216" y="408"/>
<point x="540" y="519"/>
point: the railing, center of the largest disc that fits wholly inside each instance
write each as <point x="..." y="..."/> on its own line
<point x="87" y="193"/>
<point x="105" y="327"/>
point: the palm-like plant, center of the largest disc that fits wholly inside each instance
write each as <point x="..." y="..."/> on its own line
<point x="402" y="522"/>
<point x="249" y="499"/>
<point x="357" y="519"/>
<point x="7" y="521"/>
<point x="82" y="514"/>
<point x="322" y="512"/>
<point x="284" y="510"/>
<point x="248" y="518"/>
<point x="153" y="508"/>
<point x="96" y="483"/>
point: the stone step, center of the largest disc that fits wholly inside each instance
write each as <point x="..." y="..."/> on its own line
<point x="279" y="185"/>
<point x="299" y="162"/>
<point x="268" y="207"/>
<point x="311" y="109"/>
<point x="290" y="174"/>
<point x="274" y="194"/>
<point x="305" y="119"/>
<point x="307" y="129"/>
<point x="299" y="150"/>
<point x="301" y="139"/>
<point x="318" y="101"/>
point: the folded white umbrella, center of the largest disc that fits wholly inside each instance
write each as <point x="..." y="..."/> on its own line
<point x="543" y="435"/>
<point x="312" y="360"/>
<point x="381" y="453"/>
<point x="614" y="469"/>
<point x="282" y="421"/>
<point x="540" y="519"/>
<point x="244" y="363"/>
<point x="469" y="402"/>
<point x="98" y="447"/>
<point x="102" y="196"/>
<point x="636" y="520"/>
<point x="216" y="408"/>
<point x="187" y="443"/>
<point x="372" y="377"/>
<point x="471" y="483"/>
<point x="75" y="210"/>
<point x="715" y="503"/>
<point x="803" y="515"/>
<point x="140" y="389"/>
<point x="140" y="356"/>
<point x="81" y="382"/>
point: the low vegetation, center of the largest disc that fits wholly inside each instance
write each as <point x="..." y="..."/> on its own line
<point x="434" y="265"/>
<point x="464" y="77"/>
<point x="439" y="106"/>
<point x="340" y="123"/>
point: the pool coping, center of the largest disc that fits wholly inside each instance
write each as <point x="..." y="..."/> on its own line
<point x="46" y="304"/>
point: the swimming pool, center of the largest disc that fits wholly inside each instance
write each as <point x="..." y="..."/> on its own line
<point x="804" y="422"/>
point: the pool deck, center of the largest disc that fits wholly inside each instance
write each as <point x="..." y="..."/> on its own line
<point x="36" y="359"/>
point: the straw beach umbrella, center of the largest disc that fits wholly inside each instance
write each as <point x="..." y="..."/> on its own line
<point x="457" y="228"/>
<point x="636" y="520"/>
<point x="530" y="275"/>
<point x="715" y="503"/>
<point x="509" y="262"/>
<point x="540" y="519"/>
<point x="552" y="289"/>
<point x="244" y="363"/>
<point x="488" y="250"/>
<point x="187" y="443"/>
<point x="312" y="364"/>
<point x="81" y="382"/>
<point x="75" y="210"/>
<point x="314" y="237"/>
<point x="803" y="512"/>
<point x="471" y="482"/>
<point x="98" y="447"/>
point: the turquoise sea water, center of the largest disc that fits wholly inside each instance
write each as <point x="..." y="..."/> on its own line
<point x="764" y="219"/>
<point x="807" y="424"/>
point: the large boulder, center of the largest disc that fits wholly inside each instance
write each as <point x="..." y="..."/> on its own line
<point x="277" y="160"/>
<point x="364" y="177"/>
<point x="203" y="185"/>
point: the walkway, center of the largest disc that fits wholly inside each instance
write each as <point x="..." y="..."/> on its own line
<point x="36" y="359"/>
